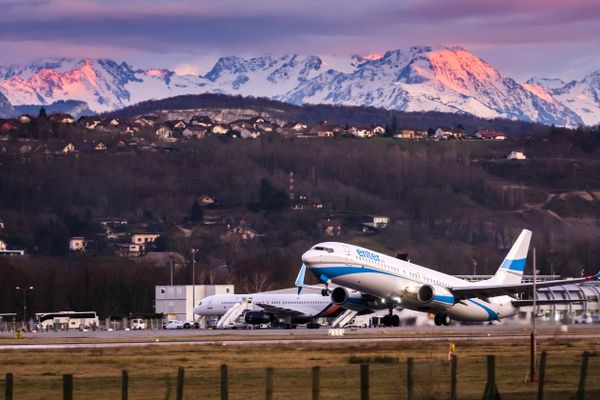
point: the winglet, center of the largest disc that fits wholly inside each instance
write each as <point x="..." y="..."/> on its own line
<point x="597" y="276"/>
<point x="300" y="279"/>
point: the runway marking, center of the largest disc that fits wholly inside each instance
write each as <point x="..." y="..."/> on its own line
<point x="266" y="341"/>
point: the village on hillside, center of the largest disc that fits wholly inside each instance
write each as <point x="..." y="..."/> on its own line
<point x="61" y="134"/>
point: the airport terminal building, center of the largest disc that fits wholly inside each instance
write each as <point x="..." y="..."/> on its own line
<point x="178" y="301"/>
<point x="580" y="299"/>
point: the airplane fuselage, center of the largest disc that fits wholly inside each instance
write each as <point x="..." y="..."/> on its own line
<point x="398" y="282"/>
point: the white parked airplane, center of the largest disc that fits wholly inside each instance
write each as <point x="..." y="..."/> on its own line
<point x="396" y="282"/>
<point x="276" y="308"/>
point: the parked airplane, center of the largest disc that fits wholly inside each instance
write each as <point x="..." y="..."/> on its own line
<point x="395" y="282"/>
<point x="285" y="309"/>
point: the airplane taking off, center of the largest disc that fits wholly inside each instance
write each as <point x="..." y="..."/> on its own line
<point x="276" y="308"/>
<point x="395" y="282"/>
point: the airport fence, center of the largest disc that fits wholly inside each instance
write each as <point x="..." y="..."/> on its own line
<point x="365" y="379"/>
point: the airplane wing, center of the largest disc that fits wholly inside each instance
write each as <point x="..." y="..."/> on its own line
<point x="485" y="291"/>
<point x="279" y="310"/>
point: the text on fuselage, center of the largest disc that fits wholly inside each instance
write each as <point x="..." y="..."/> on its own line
<point x="367" y="254"/>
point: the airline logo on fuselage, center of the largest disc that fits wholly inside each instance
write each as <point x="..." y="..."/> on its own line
<point x="367" y="254"/>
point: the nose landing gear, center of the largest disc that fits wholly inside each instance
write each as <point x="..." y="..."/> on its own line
<point x="441" y="319"/>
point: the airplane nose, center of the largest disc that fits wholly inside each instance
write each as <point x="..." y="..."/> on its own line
<point x="307" y="257"/>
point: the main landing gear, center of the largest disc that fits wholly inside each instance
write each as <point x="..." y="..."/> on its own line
<point x="391" y="319"/>
<point x="441" y="319"/>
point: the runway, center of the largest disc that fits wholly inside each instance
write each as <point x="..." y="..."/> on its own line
<point x="263" y="337"/>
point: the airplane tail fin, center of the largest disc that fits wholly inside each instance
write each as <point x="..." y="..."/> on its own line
<point x="512" y="268"/>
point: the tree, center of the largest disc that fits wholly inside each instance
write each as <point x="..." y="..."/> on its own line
<point x="197" y="214"/>
<point x="271" y="198"/>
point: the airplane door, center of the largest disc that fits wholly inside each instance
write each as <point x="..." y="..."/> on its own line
<point x="348" y="252"/>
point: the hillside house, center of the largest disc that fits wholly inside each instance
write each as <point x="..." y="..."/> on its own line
<point x="25" y="119"/>
<point x="323" y="129"/>
<point x="7" y="127"/>
<point x="406" y="134"/>
<point x="202" y="121"/>
<point x="220" y="129"/>
<point x="378" y="130"/>
<point x="129" y="250"/>
<point x="77" y="243"/>
<point x="296" y="126"/>
<point x="488" y="134"/>
<point x="361" y="132"/>
<point x="146" y="121"/>
<point x="5" y="251"/>
<point x="516" y="155"/>
<point x="90" y="123"/>
<point x="2" y="225"/>
<point x="250" y="133"/>
<point x="144" y="238"/>
<point x="61" y="118"/>
<point x="180" y="124"/>
<point x="242" y="232"/>
<point x="114" y="122"/>
<point x="331" y="228"/>
<point x="206" y="200"/>
<point x="194" y="132"/>
<point x="164" y="132"/>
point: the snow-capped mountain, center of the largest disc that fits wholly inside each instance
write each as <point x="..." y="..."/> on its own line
<point x="6" y="109"/>
<point x="103" y="84"/>
<point x="447" y="79"/>
<point x="583" y="97"/>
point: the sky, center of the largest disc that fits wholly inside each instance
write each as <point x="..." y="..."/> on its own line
<point x="521" y="38"/>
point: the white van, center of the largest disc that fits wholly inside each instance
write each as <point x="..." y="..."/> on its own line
<point x="138" y="324"/>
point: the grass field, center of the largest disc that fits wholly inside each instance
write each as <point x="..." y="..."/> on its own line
<point x="153" y="369"/>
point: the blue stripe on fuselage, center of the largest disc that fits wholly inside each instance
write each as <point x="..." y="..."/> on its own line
<point x="514" y="265"/>
<point x="444" y="299"/>
<point x="492" y="316"/>
<point x="339" y="270"/>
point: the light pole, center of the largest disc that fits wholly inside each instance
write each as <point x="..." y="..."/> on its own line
<point x="171" y="264"/>
<point x="24" y="289"/>
<point x="194" y="251"/>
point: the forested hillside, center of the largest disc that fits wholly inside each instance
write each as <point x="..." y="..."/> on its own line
<point x="449" y="203"/>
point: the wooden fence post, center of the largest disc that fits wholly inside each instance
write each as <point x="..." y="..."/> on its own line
<point x="124" y="385"/>
<point x="364" y="381"/>
<point x="67" y="387"/>
<point x="179" y="390"/>
<point x="491" y="390"/>
<point x="8" y="387"/>
<point x="224" y="382"/>
<point x="453" y="378"/>
<point x="269" y="384"/>
<point x="542" y="376"/>
<point x="582" y="376"/>
<point x="409" y="378"/>
<point x="316" y="382"/>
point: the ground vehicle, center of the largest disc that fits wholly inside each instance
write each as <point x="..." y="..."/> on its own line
<point x="68" y="320"/>
<point x="138" y="324"/>
<point x="585" y="318"/>
<point x="175" y="324"/>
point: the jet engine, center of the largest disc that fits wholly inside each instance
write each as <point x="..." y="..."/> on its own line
<point x="435" y="296"/>
<point x="353" y="300"/>
<point x="257" y="317"/>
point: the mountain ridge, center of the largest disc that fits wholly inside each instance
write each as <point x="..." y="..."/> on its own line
<point x="443" y="79"/>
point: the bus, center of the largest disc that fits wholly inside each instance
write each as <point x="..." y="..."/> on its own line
<point x="67" y="320"/>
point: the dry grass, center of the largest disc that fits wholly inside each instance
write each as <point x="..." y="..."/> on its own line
<point x="153" y="369"/>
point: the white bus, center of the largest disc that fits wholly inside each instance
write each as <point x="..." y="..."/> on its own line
<point x="67" y="320"/>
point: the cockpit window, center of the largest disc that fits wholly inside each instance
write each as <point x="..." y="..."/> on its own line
<point x="321" y="248"/>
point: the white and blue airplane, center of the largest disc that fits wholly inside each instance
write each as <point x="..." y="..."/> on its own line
<point x="398" y="283"/>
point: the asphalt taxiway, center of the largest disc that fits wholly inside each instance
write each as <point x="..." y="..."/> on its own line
<point x="106" y="339"/>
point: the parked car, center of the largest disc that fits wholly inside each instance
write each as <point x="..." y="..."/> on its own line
<point x="175" y="324"/>
<point x="138" y="324"/>
<point x="585" y="318"/>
